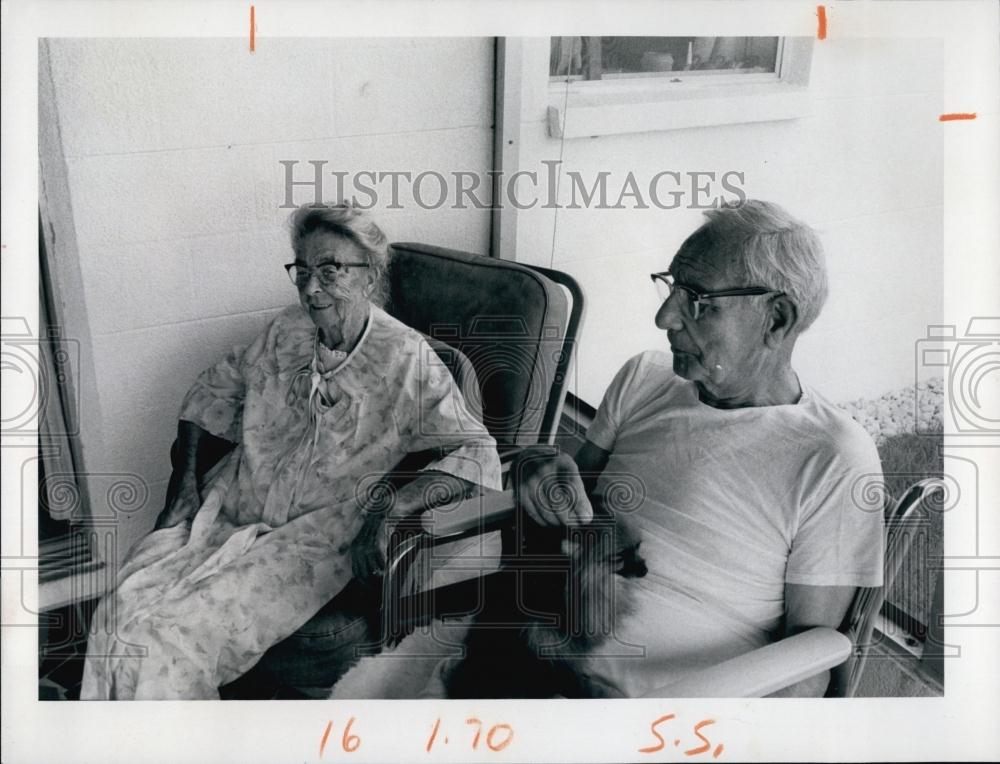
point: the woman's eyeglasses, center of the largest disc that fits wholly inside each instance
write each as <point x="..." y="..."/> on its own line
<point x="327" y="273"/>
<point x="692" y="301"/>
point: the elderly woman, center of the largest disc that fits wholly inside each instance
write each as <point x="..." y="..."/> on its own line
<point x="335" y="392"/>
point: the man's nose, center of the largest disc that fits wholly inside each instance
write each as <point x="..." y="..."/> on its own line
<point x="669" y="315"/>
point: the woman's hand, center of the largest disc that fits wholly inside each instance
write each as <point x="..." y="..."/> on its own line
<point x="184" y="490"/>
<point x="401" y="509"/>
<point x="547" y="486"/>
<point x="183" y="504"/>
<point x="368" y="548"/>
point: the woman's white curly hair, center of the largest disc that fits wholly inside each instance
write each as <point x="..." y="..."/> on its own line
<point x="346" y="220"/>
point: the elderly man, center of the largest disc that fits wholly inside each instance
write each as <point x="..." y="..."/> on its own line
<point x="748" y="525"/>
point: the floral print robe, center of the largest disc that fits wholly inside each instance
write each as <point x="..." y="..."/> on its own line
<point x="194" y="608"/>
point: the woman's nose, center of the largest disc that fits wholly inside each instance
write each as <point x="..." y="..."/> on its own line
<point x="312" y="285"/>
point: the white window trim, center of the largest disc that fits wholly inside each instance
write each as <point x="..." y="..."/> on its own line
<point x="583" y="109"/>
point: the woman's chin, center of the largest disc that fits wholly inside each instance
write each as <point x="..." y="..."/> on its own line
<point x="324" y="316"/>
<point x="334" y="320"/>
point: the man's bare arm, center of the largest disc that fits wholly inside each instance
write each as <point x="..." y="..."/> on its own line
<point x="591" y="461"/>
<point x="805" y="608"/>
<point x="809" y="606"/>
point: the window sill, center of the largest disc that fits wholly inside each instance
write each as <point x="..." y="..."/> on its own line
<point x="617" y="112"/>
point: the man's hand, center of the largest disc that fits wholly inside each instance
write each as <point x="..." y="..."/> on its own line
<point x="547" y="486"/>
<point x="183" y="504"/>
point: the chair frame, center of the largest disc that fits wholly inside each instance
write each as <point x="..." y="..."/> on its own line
<point x="548" y="424"/>
<point x="867" y="604"/>
<point x="560" y="383"/>
<point x="758" y="673"/>
<point x="407" y="540"/>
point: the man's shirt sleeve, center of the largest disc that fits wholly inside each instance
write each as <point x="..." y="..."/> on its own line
<point x="840" y="538"/>
<point x="612" y="412"/>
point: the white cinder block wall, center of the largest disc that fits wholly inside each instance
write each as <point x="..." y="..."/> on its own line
<point x="170" y="240"/>
<point x="171" y="154"/>
<point x="864" y="168"/>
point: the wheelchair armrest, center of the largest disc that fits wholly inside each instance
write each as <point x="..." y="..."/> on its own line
<point x="477" y="515"/>
<point x="439" y="525"/>
<point x="507" y="454"/>
<point x="766" y="669"/>
<point x="474" y="515"/>
<point x="451" y="521"/>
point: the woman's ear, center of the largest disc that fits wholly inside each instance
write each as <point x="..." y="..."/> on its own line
<point x="783" y="317"/>
<point x="369" y="288"/>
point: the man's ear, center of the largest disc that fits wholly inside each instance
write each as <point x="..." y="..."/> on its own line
<point x="783" y="318"/>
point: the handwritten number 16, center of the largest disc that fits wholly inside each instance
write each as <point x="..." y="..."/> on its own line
<point x="348" y="742"/>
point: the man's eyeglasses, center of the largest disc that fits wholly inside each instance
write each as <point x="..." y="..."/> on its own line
<point x="327" y="273"/>
<point x="692" y="301"/>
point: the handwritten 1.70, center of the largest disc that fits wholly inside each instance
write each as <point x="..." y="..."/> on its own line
<point x="497" y="737"/>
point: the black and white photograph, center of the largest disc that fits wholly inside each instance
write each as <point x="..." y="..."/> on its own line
<point x="452" y="386"/>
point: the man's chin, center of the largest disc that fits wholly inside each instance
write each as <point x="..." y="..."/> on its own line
<point x="685" y="366"/>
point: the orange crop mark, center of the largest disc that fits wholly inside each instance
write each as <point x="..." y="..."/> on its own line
<point x="821" y="24"/>
<point x="253" y="29"/>
<point x="957" y="115"/>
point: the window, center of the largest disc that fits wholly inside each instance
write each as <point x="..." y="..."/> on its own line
<point x="614" y="85"/>
<point x="680" y="59"/>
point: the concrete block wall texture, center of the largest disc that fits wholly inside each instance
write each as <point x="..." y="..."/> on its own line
<point x="170" y="152"/>
<point x="864" y="168"/>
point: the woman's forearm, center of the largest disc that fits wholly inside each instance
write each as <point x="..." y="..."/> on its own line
<point x="431" y="489"/>
<point x="184" y="488"/>
<point x="189" y="435"/>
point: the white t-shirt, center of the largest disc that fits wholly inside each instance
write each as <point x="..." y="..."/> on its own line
<point x="731" y="504"/>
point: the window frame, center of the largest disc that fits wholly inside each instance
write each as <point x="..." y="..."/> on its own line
<point x="580" y="108"/>
<point x="689" y="78"/>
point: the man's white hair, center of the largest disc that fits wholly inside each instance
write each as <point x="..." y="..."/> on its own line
<point x="769" y="248"/>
